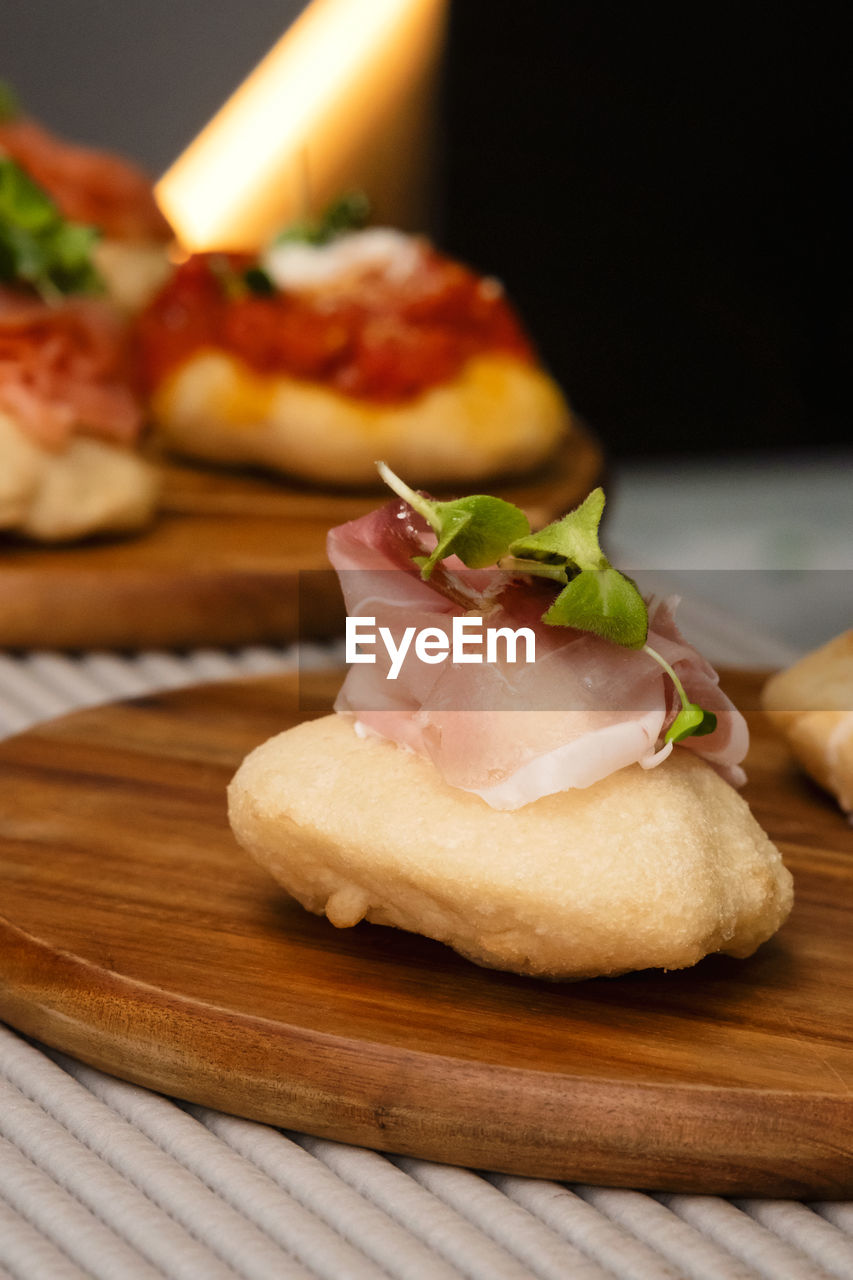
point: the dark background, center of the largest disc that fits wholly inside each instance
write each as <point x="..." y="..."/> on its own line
<point x="667" y="200"/>
<point x="664" y="193"/>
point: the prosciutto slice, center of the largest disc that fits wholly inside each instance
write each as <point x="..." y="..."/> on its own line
<point x="64" y="369"/>
<point x="513" y="732"/>
<point x="88" y="185"/>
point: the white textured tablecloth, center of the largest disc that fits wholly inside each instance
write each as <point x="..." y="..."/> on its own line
<point x="104" y="1179"/>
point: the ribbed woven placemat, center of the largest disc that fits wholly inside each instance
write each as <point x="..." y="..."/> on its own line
<point x="103" y="1179"/>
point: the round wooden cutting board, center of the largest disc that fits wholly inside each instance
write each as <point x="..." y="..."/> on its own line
<point x="225" y="563"/>
<point x="136" y="935"/>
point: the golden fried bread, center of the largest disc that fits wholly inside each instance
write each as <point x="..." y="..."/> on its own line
<point x="644" y="869"/>
<point x="89" y="486"/>
<point x="499" y="415"/>
<point x="812" y="704"/>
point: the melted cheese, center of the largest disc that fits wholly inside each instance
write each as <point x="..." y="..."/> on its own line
<point x="298" y="266"/>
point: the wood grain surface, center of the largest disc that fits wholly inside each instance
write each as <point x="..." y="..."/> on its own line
<point x="224" y="563"/>
<point x="136" y="935"/>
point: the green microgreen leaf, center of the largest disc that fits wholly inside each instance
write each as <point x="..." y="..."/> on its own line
<point x="604" y="602"/>
<point x="38" y="247"/>
<point x="349" y="212"/>
<point x="692" y="720"/>
<point x="596" y="597"/>
<point x="22" y="202"/>
<point x="258" y="282"/>
<point x="477" y="529"/>
<point x="10" y="107"/>
<point x="237" y="282"/>
<point x="708" y="724"/>
<point x="573" y="540"/>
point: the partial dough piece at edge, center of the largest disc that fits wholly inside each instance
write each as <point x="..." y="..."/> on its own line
<point x="811" y="703"/>
<point x="90" y="486"/>
<point x="647" y="869"/>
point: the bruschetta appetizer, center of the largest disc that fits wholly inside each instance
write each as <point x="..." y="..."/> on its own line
<point x="339" y="346"/>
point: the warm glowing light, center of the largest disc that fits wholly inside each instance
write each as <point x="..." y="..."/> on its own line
<point x="342" y="100"/>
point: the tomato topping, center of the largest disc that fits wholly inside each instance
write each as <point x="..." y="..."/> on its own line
<point x="368" y="333"/>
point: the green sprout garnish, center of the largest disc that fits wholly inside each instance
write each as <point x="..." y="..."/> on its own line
<point x="238" y="283"/>
<point x="349" y="212"/>
<point x="9" y="104"/>
<point x="477" y="529"/>
<point x="595" y="597"/>
<point x="258" y="282"/>
<point x="691" y="719"/>
<point x="38" y="246"/>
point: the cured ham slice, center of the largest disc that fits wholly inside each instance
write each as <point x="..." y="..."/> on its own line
<point x="101" y="190"/>
<point x="513" y="732"/>
<point x="88" y="185"/>
<point x="64" y="370"/>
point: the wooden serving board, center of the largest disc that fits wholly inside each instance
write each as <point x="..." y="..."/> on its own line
<point x="136" y="935"/>
<point x="224" y="563"/>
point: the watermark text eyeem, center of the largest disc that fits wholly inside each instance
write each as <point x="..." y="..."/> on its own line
<point x="469" y="641"/>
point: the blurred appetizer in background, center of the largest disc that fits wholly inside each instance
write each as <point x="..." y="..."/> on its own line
<point x="812" y="705"/>
<point x="342" y="343"/>
<point x="70" y="418"/>
<point x="570" y="816"/>
<point x="100" y="190"/>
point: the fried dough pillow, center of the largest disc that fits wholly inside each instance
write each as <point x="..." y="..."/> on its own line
<point x="812" y="704"/>
<point x="69" y="422"/>
<point x="559" y="817"/>
<point x="70" y="415"/>
<point x="330" y="356"/>
<point x="645" y="869"/>
<point x="86" y="486"/>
